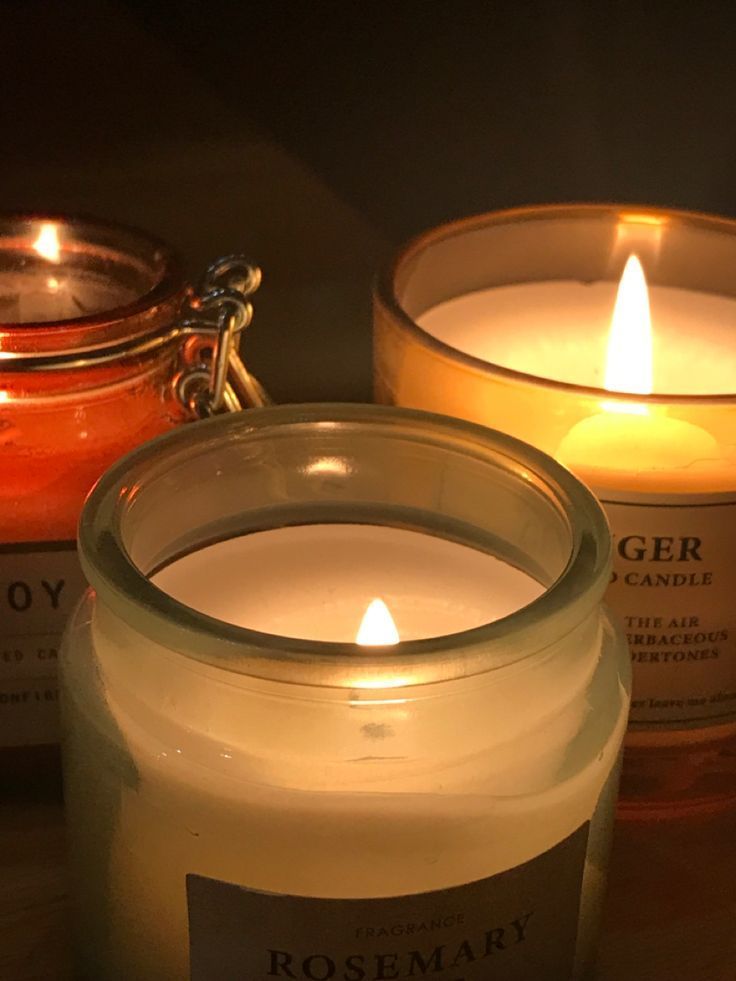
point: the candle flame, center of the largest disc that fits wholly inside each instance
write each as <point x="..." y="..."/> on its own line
<point x="47" y="242"/>
<point x="629" y="357"/>
<point x="377" y="628"/>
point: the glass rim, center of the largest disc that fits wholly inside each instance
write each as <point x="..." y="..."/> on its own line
<point x="127" y="591"/>
<point x="386" y="298"/>
<point x="124" y="322"/>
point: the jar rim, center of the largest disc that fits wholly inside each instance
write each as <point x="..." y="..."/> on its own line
<point x="387" y="300"/>
<point x="128" y="593"/>
<point x="40" y="343"/>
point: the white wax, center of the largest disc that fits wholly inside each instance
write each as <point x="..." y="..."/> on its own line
<point x="316" y="581"/>
<point x="559" y="330"/>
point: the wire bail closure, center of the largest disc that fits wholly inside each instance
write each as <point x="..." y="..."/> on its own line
<point x="213" y="378"/>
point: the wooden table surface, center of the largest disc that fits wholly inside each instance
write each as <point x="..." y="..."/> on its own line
<point x="671" y="912"/>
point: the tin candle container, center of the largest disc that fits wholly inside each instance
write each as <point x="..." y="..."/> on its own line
<point x="504" y="319"/>
<point x="253" y="793"/>
<point x="93" y="348"/>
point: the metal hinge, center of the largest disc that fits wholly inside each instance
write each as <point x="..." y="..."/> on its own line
<point x="213" y="378"/>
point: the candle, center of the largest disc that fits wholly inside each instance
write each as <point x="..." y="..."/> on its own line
<point x="351" y="706"/>
<point x="65" y="287"/>
<point x="570" y="350"/>
<point x="90" y="363"/>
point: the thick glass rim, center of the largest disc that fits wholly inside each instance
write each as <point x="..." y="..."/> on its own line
<point x="127" y="591"/>
<point x="387" y="300"/>
<point x="138" y="317"/>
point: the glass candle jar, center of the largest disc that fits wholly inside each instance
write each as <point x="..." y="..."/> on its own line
<point x="504" y="319"/>
<point x="92" y="353"/>
<point x="259" y="786"/>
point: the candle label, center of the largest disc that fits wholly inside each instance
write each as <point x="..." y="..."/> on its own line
<point x="673" y="586"/>
<point x="40" y="582"/>
<point x="519" y="925"/>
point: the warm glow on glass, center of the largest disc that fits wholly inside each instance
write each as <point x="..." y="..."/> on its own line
<point x="47" y="243"/>
<point x="629" y="356"/>
<point x="635" y="218"/>
<point x="330" y="466"/>
<point x="377" y="627"/>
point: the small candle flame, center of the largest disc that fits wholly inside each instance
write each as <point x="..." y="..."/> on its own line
<point x="377" y="628"/>
<point x="47" y="242"/>
<point x="629" y="359"/>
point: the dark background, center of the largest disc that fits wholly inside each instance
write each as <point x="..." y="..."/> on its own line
<point x="316" y="136"/>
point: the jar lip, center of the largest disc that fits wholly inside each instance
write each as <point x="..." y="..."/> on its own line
<point x="386" y="298"/>
<point x="126" y="590"/>
<point x="117" y="326"/>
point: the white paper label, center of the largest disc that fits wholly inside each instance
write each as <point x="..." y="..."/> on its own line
<point x="519" y="925"/>
<point x="674" y="588"/>
<point x="40" y="582"/>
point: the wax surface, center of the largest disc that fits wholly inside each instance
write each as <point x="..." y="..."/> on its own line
<point x="45" y="293"/>
<point x="559" y="330"/>
<point x="316" y="581"/>
<point x="643" y="444"/>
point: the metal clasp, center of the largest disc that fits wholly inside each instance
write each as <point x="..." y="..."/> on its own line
<point x="213" y="378"/>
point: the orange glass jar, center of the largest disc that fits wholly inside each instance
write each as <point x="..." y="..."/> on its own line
<point x="95" y="345"/>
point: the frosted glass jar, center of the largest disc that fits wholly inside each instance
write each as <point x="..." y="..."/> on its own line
<point x="295" y="806"/>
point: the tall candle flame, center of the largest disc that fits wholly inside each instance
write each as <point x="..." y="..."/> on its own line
<point x="377" y="628"/>
<point x="47" y="242"/>
<point x="629" y="359"/>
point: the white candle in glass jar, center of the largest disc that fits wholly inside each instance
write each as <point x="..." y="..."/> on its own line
<point x="262" y="762"/>
<point x="504" y="319"/>
<point x="259" y="786"/>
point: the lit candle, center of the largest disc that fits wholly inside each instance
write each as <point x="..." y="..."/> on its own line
<point x="53" y="279"/>
<point x="377" y="626"/>
<point x="362" y="715"/>
<point x="630" y="387"/>
<point x="630" y="434"/>
<point x="74" y="297"/>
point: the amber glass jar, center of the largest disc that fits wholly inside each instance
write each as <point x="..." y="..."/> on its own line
<point x="505" y="319"/>
<point x="90" y="350"/>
